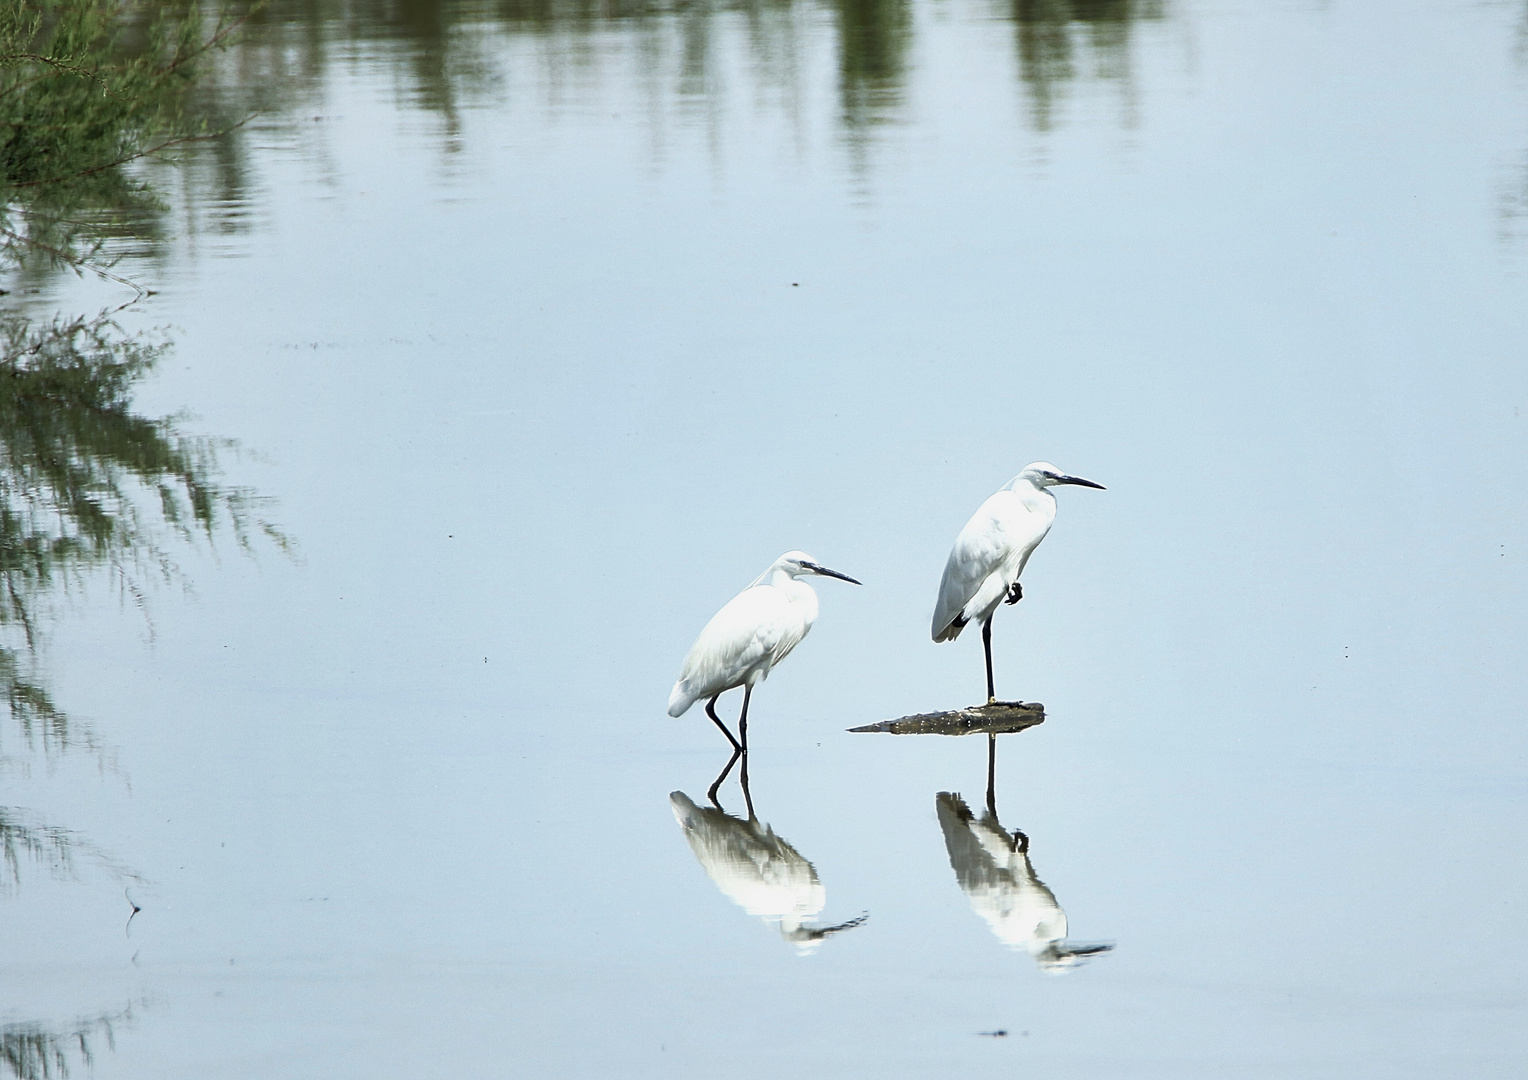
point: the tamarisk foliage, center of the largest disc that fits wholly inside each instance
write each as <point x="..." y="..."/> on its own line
<point x="88" y="87"/>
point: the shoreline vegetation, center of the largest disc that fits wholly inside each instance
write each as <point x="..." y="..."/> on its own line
<point x="87" y="89"/>
<point x="89" y="488"/>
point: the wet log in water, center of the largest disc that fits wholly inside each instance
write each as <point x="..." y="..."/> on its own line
<point x="993" y="719"/>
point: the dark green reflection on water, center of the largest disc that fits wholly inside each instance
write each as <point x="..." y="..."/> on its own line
<point x="25" y="837"/>
<point x="89" y="489"/>
<point x="446" y="54"/>
<point x="1059" y="41"/>
<point x="88" y="87"/>
<point x="34" y="1051"/>
<point x="873" y="41"/>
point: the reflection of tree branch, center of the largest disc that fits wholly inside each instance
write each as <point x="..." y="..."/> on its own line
<point x="78" y="261"/>
<point x="220" y="37"/>
<point x="32" y="1051"/>
<point x="83" y="174"/>
<point x="23" y="834"/>
<point x="87" y="485"/>
<point x="38" y="718"/>
<point x="79" y="100"/>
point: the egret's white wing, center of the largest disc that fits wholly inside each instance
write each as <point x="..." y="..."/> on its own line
<point x="755" y="629"/>
<point x="996" y="541"/>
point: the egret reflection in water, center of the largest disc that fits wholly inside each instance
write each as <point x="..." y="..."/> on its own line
<point x="993" y="869"/>
<point x="758" y="870"/>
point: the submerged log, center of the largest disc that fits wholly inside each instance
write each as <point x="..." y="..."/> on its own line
<point x="994" y="719"/>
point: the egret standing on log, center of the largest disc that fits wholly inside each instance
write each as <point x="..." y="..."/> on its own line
<point x="990" y="552"/>
<point x="752" y="633"/>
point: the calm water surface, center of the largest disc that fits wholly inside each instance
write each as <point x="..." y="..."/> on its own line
<point x="545" y="326"/>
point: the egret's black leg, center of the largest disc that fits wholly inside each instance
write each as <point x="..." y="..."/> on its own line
<point x="987" y="648"/>
<point x="711" y="712"/>
<point x="742" y="728"/>
<point x="992" y="773"/>
<point x="711" y="793"/>
<point x="742" y="722"/>
<point x="743" y="782"/>
<point x="1015" y="593"/>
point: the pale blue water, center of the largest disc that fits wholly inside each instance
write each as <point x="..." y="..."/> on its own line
<point x="549" y="329"/>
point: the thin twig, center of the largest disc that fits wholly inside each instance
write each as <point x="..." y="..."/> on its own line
<point x="207" y="46"/>
<point x="67" y="68"/>
<point x="58" y="253"/>
<point x="178" y="140"/>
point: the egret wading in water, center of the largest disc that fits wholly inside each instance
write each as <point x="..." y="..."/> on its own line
<point x="752" y="633"/>
<point x="990" y="552"/>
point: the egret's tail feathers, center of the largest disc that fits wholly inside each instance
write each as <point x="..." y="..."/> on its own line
<point x="950" y="630"/>
<point x="680" y="699"/>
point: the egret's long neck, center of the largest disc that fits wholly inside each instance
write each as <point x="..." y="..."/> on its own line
<point x="781" y="577"/>
<point x="794" y="587"/>
<point x="1032" y="495"/>
<point x="776" y="575"/>
<point x="801" y="594"/>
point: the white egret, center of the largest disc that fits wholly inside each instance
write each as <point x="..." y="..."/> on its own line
<point x="758" y="870"/>
<point x="989" y="554"/>
<point x="994" y="871"/>
<point x="752" y="633"/>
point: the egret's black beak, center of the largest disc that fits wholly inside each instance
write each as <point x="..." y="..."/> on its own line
<point x="1080" y="482"/>
<point x="817" y="568"/>
<point x="1086" y="950"/>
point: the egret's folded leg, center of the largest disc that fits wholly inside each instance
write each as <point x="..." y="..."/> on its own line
<point x="711" y="712"/>
<point x="987" y="648"/>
